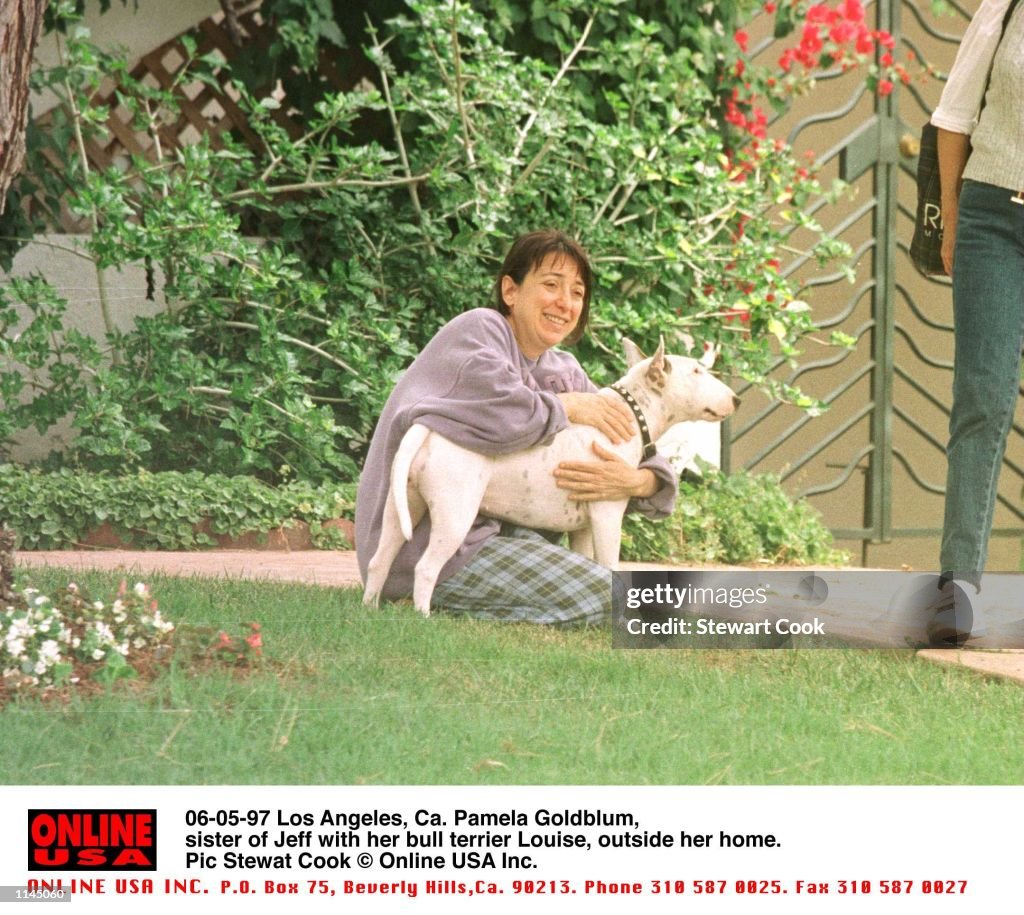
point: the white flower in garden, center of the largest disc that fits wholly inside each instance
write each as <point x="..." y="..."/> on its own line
<point x="139" y="643"/>
<point x="50" y="651"/>
<point x="98" y="654"/>
<point x="15" y="647"/>
<point x="76" y="642"/>
<point x="104" y="631"/>
<point x="21" y="627"/>
<point x="140" y="589"/>
<point x="96" y="606"/>
<point x="73" y="588"/>
<point x="40" y="667"/>
<point x="160" y="624"/>
<point x="41" y="600"/>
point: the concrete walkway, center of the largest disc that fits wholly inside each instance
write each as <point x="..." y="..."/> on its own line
<point x="339" y="569"/>
<point x="313" y="567"/>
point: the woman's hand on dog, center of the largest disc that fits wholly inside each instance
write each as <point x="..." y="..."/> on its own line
<point x="606" y="480"/>
<point x="612" y="417"/>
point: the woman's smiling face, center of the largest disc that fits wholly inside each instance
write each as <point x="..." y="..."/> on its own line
<point x="545" y="307"/>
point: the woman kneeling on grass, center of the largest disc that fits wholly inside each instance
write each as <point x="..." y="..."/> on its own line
<point x="492" y="381"/>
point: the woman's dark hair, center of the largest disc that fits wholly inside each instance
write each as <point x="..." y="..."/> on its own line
<point x="528" y="252"/>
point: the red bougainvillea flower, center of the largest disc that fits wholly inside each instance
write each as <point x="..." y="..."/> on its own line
<point x="818" y="14"/>
<point x="842" y="32"/>
<point x="742" y="39"/>
<point x="811" y="41"/>
<point x="865" y="43"/>
<point x="885" y="87"/>
<point x="852" y="10"/>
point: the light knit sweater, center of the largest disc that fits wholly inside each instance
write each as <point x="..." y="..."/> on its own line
<point x="998" y="137"/>
<point x="997" y="155"/>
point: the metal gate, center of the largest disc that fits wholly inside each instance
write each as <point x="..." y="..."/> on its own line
<point x="874" y="464"/>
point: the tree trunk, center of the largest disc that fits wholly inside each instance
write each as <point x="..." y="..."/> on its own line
<point x="20" y="21"/>
<point x="6" y="565"/>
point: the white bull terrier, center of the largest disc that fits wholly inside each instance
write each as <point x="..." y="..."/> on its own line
<point x="458" y="484"/>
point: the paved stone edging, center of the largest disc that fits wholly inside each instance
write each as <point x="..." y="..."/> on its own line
<point x="314" y="567"/>
<point x="1006" y="664"/>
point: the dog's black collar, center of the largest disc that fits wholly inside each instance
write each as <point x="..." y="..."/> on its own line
<point x="649" y="449"/>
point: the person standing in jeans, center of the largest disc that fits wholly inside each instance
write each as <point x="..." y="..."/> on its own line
<point x="980" y="121"/>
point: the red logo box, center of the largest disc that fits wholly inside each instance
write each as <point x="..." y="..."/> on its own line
<point x="91" y="840"/>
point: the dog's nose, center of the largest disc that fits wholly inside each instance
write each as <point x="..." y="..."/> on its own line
<point x="735" y="402"/>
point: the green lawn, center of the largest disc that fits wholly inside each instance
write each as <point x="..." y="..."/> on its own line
<point x="350" y="696"/>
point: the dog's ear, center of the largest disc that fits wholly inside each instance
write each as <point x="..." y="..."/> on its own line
<point x="659" y="368"/>
<point x="659" y="353"/>
<point x="710" y="355"/>
<point x="633" y="353"/>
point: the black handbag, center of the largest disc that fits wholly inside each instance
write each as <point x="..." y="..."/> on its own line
<point x="926" y="245"/>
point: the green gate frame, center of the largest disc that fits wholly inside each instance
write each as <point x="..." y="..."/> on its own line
<point x="883" y="145"/>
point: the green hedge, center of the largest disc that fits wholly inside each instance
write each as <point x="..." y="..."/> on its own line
<point x="161" y="510"/>
<point x="729" y="519"/>
<point x="741" y="518"/>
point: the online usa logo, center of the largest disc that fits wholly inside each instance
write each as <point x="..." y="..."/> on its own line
<point x="91" y="840"/>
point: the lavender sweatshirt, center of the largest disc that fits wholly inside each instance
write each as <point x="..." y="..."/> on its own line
<point x="472" y="385"/>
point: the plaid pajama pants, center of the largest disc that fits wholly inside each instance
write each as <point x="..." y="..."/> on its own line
<point x="520" y="576"/>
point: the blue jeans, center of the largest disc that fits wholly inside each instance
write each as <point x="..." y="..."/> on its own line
<point x="988" y="316"/>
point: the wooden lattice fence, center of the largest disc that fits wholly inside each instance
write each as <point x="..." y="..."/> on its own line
<point x="204" y="109"/>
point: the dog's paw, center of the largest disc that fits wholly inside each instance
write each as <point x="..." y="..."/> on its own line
<point x="371" y="600"/>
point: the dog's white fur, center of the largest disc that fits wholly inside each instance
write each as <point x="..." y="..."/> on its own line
<point x="430" y="473"/>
